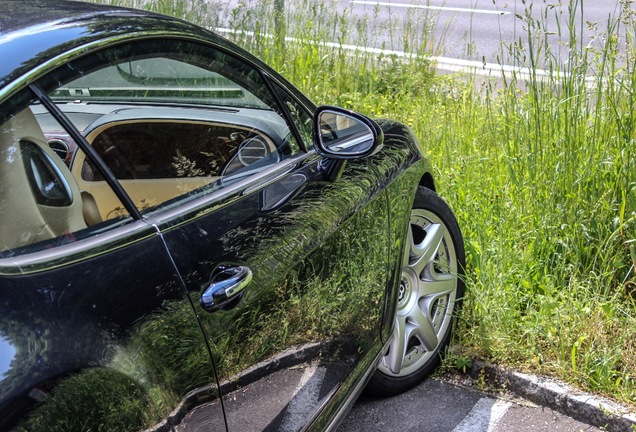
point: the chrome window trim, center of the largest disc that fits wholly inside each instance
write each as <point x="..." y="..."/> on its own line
<point x="70" y="253"/>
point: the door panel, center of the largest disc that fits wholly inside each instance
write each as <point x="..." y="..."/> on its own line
<point x="108" y="343"/>
<point x="311" y="314"/>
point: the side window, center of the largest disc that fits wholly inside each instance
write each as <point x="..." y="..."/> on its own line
<point x="170" y="119"/>
<point x="41" y="204"/>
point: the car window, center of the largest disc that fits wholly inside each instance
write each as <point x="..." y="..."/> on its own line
<point x="41" y="204"/>
<point x="170" y="118"/>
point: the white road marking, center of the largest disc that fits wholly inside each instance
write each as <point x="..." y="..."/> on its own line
<point x="439" y="8"/>
<point x="447" y="64"/>
<point x="304" y="400"/>
<point x="484" y="416"/>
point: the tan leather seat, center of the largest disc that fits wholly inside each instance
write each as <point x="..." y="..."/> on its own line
<point x="90" y="210"/>
<point x="39" y="198"/>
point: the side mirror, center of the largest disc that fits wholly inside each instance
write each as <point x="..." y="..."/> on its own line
<point x="344" y="134"/>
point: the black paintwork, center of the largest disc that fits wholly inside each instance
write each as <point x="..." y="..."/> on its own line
<point x="116" y="331"/>
<point x="39" y="32"/>
<point x="89" y="315"/>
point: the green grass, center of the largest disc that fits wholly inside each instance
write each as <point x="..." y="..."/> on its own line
<point x="539" y="171"/>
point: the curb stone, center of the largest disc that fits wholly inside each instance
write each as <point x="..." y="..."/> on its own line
<point x="561" y="397"/>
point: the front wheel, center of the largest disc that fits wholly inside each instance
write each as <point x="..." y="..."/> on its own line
<point x="430" y="294"/>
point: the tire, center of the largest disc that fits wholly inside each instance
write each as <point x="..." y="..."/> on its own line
<point x="430" y="295"/>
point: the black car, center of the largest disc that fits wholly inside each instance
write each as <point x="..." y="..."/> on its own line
<point x="189" y="243"/>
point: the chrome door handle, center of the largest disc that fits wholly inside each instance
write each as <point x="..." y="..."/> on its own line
<point x="226" y="289"/>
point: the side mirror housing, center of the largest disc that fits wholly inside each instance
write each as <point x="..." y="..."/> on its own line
<point x="344" y="134"/>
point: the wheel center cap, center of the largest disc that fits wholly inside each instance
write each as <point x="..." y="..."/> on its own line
<point x="407" y="292"/>
<point x="402" y="292"/>
<point x="406" y="289"/>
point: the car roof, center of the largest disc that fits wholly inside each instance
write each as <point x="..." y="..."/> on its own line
<point x="15" y="15"/>
<point x="33" y="32"/>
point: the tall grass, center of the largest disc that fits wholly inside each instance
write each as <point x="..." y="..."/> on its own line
<point x="546" y="199"/>
<point x="539" y="169"/>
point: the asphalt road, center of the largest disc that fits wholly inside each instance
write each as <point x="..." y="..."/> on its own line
<point x="441" y="406"/>
<point x="476" y="30"/>
<point x="284" y="399"/>
<point x="481" y="29"/>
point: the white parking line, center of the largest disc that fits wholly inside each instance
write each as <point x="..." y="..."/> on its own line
<point x="439" y="8"/>
<point x="304" y="400"/>
<point x="484" y="416"/>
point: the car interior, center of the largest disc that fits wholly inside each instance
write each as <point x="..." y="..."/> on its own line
<point x="159" y="159"/>
<point x="41" y="199"/>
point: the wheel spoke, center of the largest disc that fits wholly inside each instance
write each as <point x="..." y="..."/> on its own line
<point x="397" y="346"/>
<point x="408" y="247"/>
<point x="426" y="251"/>
<point x="421" y="326"/>
<point x="438" y="285"/>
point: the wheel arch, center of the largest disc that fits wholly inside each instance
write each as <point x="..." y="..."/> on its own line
<point x="428" y="182"/>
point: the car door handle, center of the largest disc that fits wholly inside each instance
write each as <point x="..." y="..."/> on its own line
<point x="226" y="289"/>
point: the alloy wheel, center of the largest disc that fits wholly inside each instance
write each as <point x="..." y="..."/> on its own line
<point x="426" y="296"/>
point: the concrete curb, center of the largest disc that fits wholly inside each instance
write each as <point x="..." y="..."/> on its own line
<point x="561" y="397"/>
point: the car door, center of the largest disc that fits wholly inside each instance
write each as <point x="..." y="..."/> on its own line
<point x="96" y="329"/>
<point x="289" y="264"/>
<point x="282" y="252"/>
<point x="311" y="276"/>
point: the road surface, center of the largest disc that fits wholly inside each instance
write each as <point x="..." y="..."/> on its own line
<point x="436" y="405"/>
<point x="483" y="29"/>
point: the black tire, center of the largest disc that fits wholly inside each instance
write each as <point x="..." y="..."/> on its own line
<point x="430" y="295"/>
